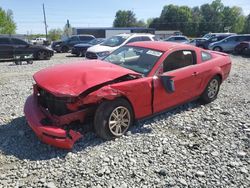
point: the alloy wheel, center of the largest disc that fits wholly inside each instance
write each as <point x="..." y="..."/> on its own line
<point x="119" y="121"/>
<point x="213" y="88"/>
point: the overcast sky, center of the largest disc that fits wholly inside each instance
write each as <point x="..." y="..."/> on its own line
<point x="90" y="13"/>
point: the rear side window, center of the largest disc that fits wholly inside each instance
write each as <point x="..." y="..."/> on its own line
<point x="18" y="42"/>
<point x="245" y="38"/>
<point x="75" y="38"/>
<point x="86" y="38"/>
<point x="180" y="38"/>
<point x="135" y="39"/>
<point x="205" y="56"/>
<point x="4" y="41"/>
<point x="179" y="59"/>
<point x="145" y="39"/>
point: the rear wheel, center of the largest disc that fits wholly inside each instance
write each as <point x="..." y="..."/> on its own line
<point x="113" y="118"/>
<point x="212" y="90"/>
<point x="217" y="48"/>
<point x="65" y="49"/>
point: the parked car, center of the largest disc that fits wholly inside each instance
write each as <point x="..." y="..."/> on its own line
<point x="109" y="45"/>
<point x="39" y="40"/>
<point x="66" y="45"/>
<point x="210" y="35"/>
<point x="243" y="48"/>
<point x="80" y="49"/>
<point x="195" y="41"/>
<point x="10" y="47"/>
<point x="204" y="43"/>
<point x="179" y="39"/>
<point x="228" y="44"/>
<point x="137" y="80"/>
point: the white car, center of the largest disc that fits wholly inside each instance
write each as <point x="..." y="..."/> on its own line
<point x="39" y="40"/>
<point x="109" y="45"/>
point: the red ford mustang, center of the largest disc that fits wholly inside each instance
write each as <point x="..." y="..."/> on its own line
<point x="134" y="82"/>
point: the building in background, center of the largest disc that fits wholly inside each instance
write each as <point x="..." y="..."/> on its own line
<point x="106" y="32"/>
<point x="166" y="33"/>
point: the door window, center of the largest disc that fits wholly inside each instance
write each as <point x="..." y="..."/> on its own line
<point x="86" y="38"/>
<point x="145" y="39"/>
<point x="73" y="39"/>
<point x="231" y="39"/>
<point x="135" y="39"/>
<point x="18" y="42"/>
<point x="4" y="41"/>
<point x="179" y="59"/>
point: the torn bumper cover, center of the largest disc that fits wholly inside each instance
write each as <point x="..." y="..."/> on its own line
<point x="50" y="134"/>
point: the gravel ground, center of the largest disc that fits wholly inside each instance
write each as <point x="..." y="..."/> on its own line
<point x="191" y="146"/>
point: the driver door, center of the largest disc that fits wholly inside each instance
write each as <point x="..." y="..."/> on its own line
<point x="20" y="47"/>
<point x="181" y="67"/>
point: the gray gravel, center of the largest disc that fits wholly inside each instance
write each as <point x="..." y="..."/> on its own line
<point x="193" y="145"/>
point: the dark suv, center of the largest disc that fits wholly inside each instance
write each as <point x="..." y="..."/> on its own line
<point x="11" y="47"/>
<point x="66" y="45"/>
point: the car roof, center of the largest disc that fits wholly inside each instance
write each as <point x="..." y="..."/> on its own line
<point x="158" y="45"/>
<point x="135" y="34"/>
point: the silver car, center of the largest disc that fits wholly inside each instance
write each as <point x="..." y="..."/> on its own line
<point x="228" y="44"/>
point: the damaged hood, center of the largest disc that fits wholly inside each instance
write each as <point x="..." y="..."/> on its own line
<point x="74" y="78"/>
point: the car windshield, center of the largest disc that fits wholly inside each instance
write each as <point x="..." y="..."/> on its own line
<point x="138" y="59"/>
<point x="115" y="41"/>
<point x="95" y="41"/>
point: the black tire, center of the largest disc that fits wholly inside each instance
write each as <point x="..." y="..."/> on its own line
<point x="29" y="62"/>
<point x="80" y="54"/>
<point x="208" y="96"/>
<point x="104" y="114"/>
<point x="65" y="49"/>
<point x="244" y="51"/>
<point x="41" y="55"/>
<point x="18" y="62"/>
<point x="217" y="48"/>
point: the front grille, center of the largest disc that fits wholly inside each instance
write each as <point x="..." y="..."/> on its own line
<point x="55" y="105"/>
<point x="91" y="55"/>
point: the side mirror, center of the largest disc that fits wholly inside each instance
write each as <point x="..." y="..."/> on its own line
<point x="168" y="83"/>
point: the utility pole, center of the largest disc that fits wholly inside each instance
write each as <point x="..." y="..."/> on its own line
<point x="68" y="28"/>
<point x="45" y="23"/>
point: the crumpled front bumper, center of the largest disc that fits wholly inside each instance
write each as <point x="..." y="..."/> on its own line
<point x="49" y="134"/>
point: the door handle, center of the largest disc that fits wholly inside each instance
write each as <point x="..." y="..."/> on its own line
<point x="195" y="73"/>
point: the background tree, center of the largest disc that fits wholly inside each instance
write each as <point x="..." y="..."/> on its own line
<point x="174" y="18"/>
<point x="196" y="21"/>
<point x="126" y="18"/>
<point x="55" y="34"/>
<point x="7" y="24"/>
<point x="247" y="24"/>
<point x="234" y="19"/>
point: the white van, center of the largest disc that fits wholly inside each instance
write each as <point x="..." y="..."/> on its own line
<point x="109" y="45"/>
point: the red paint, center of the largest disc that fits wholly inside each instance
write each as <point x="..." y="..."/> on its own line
<point x="74" y="78"/>
<point x="145" y="94"/>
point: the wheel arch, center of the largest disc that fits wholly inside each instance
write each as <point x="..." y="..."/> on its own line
<point x="215" y="72"/>
<point x="218" y="47"/>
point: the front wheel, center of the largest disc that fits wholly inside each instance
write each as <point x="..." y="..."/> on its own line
<point x="41" y="55"/>
<point x="217" y="48"/>
<point x="113" y="118"/>
<point x="212" y="90"/>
